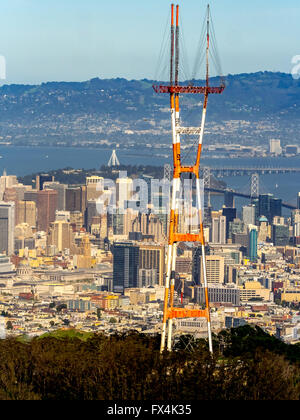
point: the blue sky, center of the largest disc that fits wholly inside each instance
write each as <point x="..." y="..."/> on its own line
<point x="75" y="40"/>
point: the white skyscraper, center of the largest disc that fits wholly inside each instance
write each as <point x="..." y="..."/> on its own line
<point x="218" y="230"/>
<point x="275" y="147"/>
<point x="7" y="228"/>
<point x="249" y="215"/>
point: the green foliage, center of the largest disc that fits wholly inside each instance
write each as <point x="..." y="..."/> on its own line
<point x="9" y="325"/>
<point x="70" y="365"/>
<point x="113" y="320"/>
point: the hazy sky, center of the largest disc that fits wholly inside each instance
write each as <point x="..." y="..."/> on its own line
<point x="75" y="40"/>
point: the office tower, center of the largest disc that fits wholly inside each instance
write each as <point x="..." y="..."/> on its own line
<point x="46" y="207"/>
<point x="76" y="220"/>
<point x="255" y="203"/>
<point x="90" y="213"/>
<point x="10" y="195"/>
<point x="269" y="206"/>
<point x="264" y="229"/>
<point x="265" y="206"/>
<point x="26" y="213"/>
<point x="275" y="147"/>
<point x="241" y="239"/>
<point x="249" y="215"/>
<point x="73" y="199"/>
<point x="7" y="181"/>
<point x="118" y="222"/>
<point x="230" y="214"/>
<point x="298" y="201"/>
<point x="129" y="217"/>
<point x="218" y="230"/>
<point x="152" y="258"/>
<point x="103" y="226"/>
<point x="83" y="259"/>
<point x="215" y="267"/>
<point x="94" y="187"/>
<point x="60" y="235"/>
<point x="229" y="199"/>
<point x="31" y="195"/>
<point x="7" y="227"/>
<point x="196" y="266"/>
<point x="125" y="266"/>
<point x="280" y="235"/>
<point x="236" y="226"/>
<point x="61" y="193"/>
<point x="149" y="225"/>
<point x="275" y="207"/>
<point x="219" y="294"/>
<point x="252" y="244"/>
<point x="76" y="199"/>
<point x="124" y="191"/>
<point x="41" y="179"/>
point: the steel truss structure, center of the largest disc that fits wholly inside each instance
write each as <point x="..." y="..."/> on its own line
<point x="174" y="89"/>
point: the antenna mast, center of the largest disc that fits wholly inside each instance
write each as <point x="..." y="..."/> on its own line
<point x="174" y="89"/>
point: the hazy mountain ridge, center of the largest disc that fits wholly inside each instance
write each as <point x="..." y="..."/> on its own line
<point x="119" y="110"/>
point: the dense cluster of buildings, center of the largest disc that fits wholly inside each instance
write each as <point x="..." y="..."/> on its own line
<point x="66" y="262"/>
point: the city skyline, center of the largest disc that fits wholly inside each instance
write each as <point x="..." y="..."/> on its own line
<point x="130" y="228"/>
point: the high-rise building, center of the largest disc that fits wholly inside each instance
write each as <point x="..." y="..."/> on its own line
<point x="46" y="208"/>
<point x="94" y="187"/>
<point x="252" y="244"/>
<point x="7" y="181"/>
<point x="218" y="293"/>
<point x="269" y="206"/>
<point x="125" y="266"/>
<point x="124" y="187"/>
<point x="61" y="235"/>
<point x="280" y="235"/>
<point x="152" y="258"/>
<point x="215" y="268"/>
<point x="230" y="214"/>
<point x="83" y="259"/>
<point x="276" y="207"/>
<point x="76" y="220"/>
<point x="118" y="222"/>
<point x="26" y="213"/>
<point x="275" y="147"/>
<point x="76" y="199"/>
<point x="236" y="226"/>
<point x="229" y="199"/>
<point x="7" y="227"/>
<point x="41" y="179"/>
<point x="61" y="193"/>
<point x="249" y="215"/>
<point x="90" y="213"/>
<point x="218" y="230"/>
<point x="149" y="225"/>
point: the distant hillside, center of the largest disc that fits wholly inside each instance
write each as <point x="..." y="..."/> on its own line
<point x="253" y="108"/>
